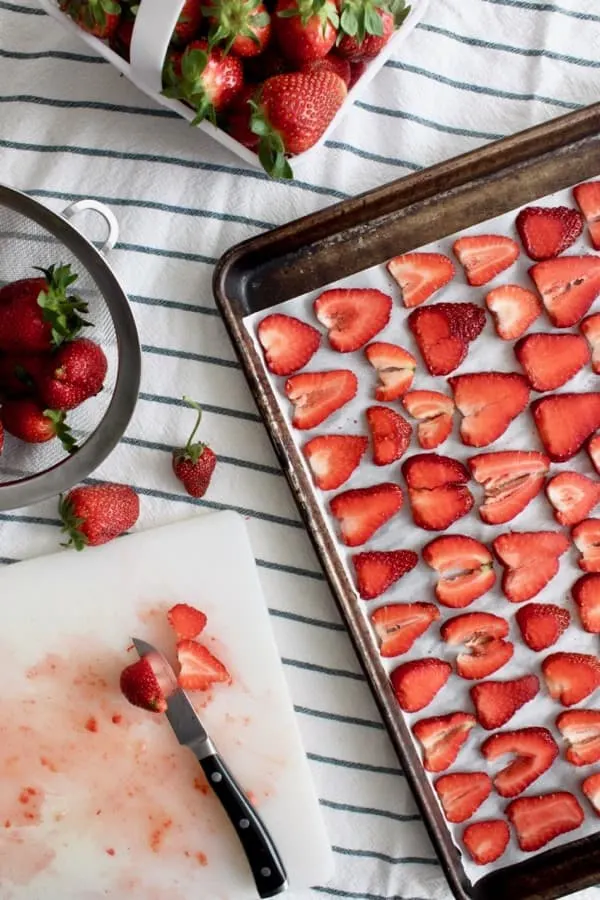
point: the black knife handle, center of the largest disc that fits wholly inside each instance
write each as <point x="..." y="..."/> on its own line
<point x="267" y="868"/>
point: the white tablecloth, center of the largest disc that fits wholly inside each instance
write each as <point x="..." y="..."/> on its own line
<point x="70" y="126"/>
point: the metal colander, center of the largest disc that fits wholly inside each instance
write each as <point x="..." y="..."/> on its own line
<point x="31" y="235"/>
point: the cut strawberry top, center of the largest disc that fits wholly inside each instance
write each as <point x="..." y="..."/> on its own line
<point x="548" y="231"/>
<point x="542" y="624"/>
<point x="353" y="316"/>
<point x="511" y="479"/>
<point x="488" y="402"/>
<point x="442" y="738"/>
<point x="420" y="275"/>
<point x="550" y="360"/>
<point x="573" y="496"/>
<point x="538" y="820"/>
<point x="462" y="793"/>
<point x="395" y="369"/>
<point x="486" y="841"/>
<point x="363" y="511"/>
<point x="565" y="421"/>
<point x="378" y="570"/>
<point x="484" y="256"/>
<point x="581" y="730"/>
<point x="390" y="434"/>
<point x="514" y="309"/>
<point x="287" y="342"/>
<point x="316" y="395"/>
<point x="399" y="625"/>
<point x="535" y="750"/>
<point x="568" y="286"/>
<point x="587" y="197"/>
<point x="333" y="458"/>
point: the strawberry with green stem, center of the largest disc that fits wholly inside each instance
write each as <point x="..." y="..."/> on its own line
<point x="206" y="78"/>
<point x="94" y="514"/>
<point x="29" y="422"/>
<point x="367" y="25"/>
<point x="98" y="17"/>
<point x="306" y="29"/>
<point x="195" y="463"/>
<point x="242" y="27"/>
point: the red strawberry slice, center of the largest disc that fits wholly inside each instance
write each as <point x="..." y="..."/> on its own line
<point x="565" y="421"/>
<point x="573" y="497"/>
<point x="538" y="820"/>
<point x="390" y="434"/>
<point x="488" y="402"/>
<point x="581" y="730"/>
<point x="443" y="332"/>
<point x="416" y="683"/>
<point x="568" y="286"/>
<point x="535" y="750"/>
<point x="435" y="411"/>
<point x="550" y="360"/>
<point x="376" y="570"/>
<point x="442" y="737"/>
<point x="466" y="567"/>
<point x="511" y="479"/>
<point x="186" y="621"/>
<point x="496" y="702"/>
<point x="586" y="594"/>
<point x="436" y="488"/>
<point x="591" y="788"/>
<point x="483" y="634"/>
<point x="590" y="328"/>
<point x="547" y="232"/>
<point x="586" y="537"/>
<point x="287" y="342"/>
<point x="542" y="624"/>
<point x="399" y="625"/>
<point x="531" y="560"/>
<point x="571" y="677"/>
<point x="587" y="197"/>
<point x="316" y="395"/>
<point x="593" y="449"/>
<point x="199" y="668"/>
<point x="420" y="275"/>
<point x="513" y="309"/>
<point x="462" y="793"/>
<point x="395" y="369"/>
<point x="363" y="511"/>
<point x="332" y="458"/>
<point x="486" y="841"/>
<point x="484" y="256"/>
<point x="353" y="316"/>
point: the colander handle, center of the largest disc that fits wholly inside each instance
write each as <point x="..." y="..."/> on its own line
<point x="107" y="214"/>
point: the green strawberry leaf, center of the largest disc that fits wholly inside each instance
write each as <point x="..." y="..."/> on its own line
<point x="71" y="524"/>
<point x="193" y="63"/>
<point x="63" y="311"/>
<point x="349" y="21"/>
<point x="61" y="429"/>
<point x="373" y="22"/>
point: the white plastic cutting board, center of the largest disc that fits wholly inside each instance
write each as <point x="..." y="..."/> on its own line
<point x="97" y="798"/>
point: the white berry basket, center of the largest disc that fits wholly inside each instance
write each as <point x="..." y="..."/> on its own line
<point x="153" y="27"/>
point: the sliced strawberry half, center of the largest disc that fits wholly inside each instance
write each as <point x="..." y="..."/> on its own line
<point x="538" y="820"/>
<point x="590" y="328"/>
<point x="586" y="537"/>
<point x="332" y="458"/>
<point x="363" y="511"/>
<point x="353" y="316"/>
<point x="483" y="634"/>
<point x="541" y="624"/>
<point x="568" y="286"/>
<point x="390" y="434"/>
<point x="530" y="560"/>
<point x="186" y="621"/>
<point x="548" y="231"/>
<point x="535" y="750"/>
<point x="316" y="395"/>
<point x="581" y="730"/>
<point x="571" y="677"/>
<point x="511" y="479"/>
<point x="496" y="702"/>
<point x="437" y="490"/>
<point x="550" y="360"/>
<point x="488" y="402"/>
<point x="417" y="682"/>
<point x="395" y="369"/>
<point x="443" y="332"/>
<point x="377" y="570"/>
<point x="565" y="421"/>
<point x="435" y="411"/>
<point x="442" y="737"/>
<point x="462" y="793"/>
<point x="593" y="449"/>
<point x="513" y="309"/>
<point x="486" y="841"/>
<point x="573" y="497"/>
<point x="419" y="275"/>
<point x="399" y="625"/>
<point x="586" y="594"/>
<point x="287" y="342"/>
<point x="466" y="567"/>
<point x="591" y="788"/>
<point x="587" y="197"/>
<point x="199" y="669"/>
<point x="484" y="256"/>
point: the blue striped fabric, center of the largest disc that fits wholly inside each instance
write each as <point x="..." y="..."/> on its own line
<point x="473" y="71"/>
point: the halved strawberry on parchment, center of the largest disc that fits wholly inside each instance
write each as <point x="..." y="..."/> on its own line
<point x="483" y="634"/>
<point x="565" y="421"/>
<point x="530" y="560"/>
<point x="420" y="275"/>
<point x="511" y="479"/>
<point x="332" y="458"/>
<point x="488" y="403"/>
<point x="316" y="395"/>
<point x="416" y="683"/>
<point x="487" y="840"/>
<point x="287" y="342"/>
<point x="572" y="496"/>
<point x="586" y="596"/>
<point x="586" y="537"/>
<point x="591" y="788"/>
<point x="434" y="412"/>
<point x="568" y="286"/>
<point x="390" y="434"/>
<point x="466" y="568"/>
<point x="484" y="256"/>
<point x="547" y="231"/>
<point x="363" y="511"/>
<point x="442" y="738"/>
<point x="538" y="820"/>
<point x="496" y="702"/>
<point x="590" y="328"/>
<point x="353" y="316"/>
<point x="513" y="309"/>
<point x="378" y="570"/>
<point x="550" y="360"/>
<point x="443" y="332"/>
<point x="571" y="677"/>
<point x="581" y="730"/>
<point x="535" y="750"/>
<point x="587" y="197"/>
<point x="541" y="624"/>
<point x="462" y="793"/>
<point x="398" y="625"/>
<point x="593" y="450"/>
<point x="395" y="369"/>
<point x="437" y="490"/>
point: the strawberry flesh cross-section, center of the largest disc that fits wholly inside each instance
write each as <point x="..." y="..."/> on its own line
<point x="581" y="730"/>
<point x="465" y="566"/>
<point x="399" y="625"/>
<point x="363" y="511"/>
<point x="437" y="490"/>
<point x="530" y="560"/>
<point x="511" y="479"/>
<point x="420" y="275"/>
<point x="488" y="402"/>
<point x="442" y="738"/>
<point x="483" y="635"/>
<point x="538" y="820"/>
<point x="535" y="750"/>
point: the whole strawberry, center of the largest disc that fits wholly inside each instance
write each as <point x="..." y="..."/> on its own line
<point x="194" y="464"/>
<point x="188" y="23"/>
<point x="31" y="423"/>
<point x="306" y="29"/>
<point x="99" y="17"/>
<point x="367" y="25"/>
<point x="243" y="27"/>
<point x="120" y="41"/>
<point x="95" y="514"/>
<point x="209" y="80"/>
<point x="19" y="374"/>
<point x="73" y="374"/>
<point x="236" y="121"/>
<point x="332" y="62"/>
<point x="147" y="683"/>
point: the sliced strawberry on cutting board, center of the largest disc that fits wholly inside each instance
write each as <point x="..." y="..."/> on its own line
<point x="593" y="449"/>
<point x="363" y="511"/>
<point x="390" y="434"/>
<point x="496" y="702"/>
<point x="434" y="411"/>
<point x="573" y="497"/>
<point x="377" y="570"/>
<point x="199" y="668"/>
<point x="586" y="537"/>
<point x="466" y="569"/>
<point x="586" y="595"/>
<point x="488" y="402"/>
<point x="483" y="634"/>
<point x="316" y="395"/>
<point x="591" y="788"/>
<point x="565" y="421"/>
<point x="547" y="232"/>
<point x="416" y="683"/>
<point x="484" y="256"/>
<point x="437" y="490"/>
<point x="353" y="316"/>
<point x="442" y="738"/>
<point x="486" y="841"/>
<point x="462" y="793"/>
<point x="535" y="750"/>
<point x="511" y="479"/>
<point x="550" y="360"/>
<point x="568" y="286"/>
<point x="590" y="328"/>
<point x="581" y="730"/>
<point x="399" y="625"/>
<point x="538" y="820"/>
<point x="287" y="342"/>
<point x="186" y="621"/>
<point x="395" y="369"/>
<point x="530" y="560"/>
<point x="332" y="458"/>
<point x="420" y="275"/>
<point x="141" y="684"/>
<point x="443" y="332"/>
<point x="571" y="677"/>
<point x="541" y="624"/>
<point x="513" y="309"/>
<point x="587" y="197"/>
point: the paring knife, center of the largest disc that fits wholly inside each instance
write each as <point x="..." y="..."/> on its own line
<point x="263" y="858"/>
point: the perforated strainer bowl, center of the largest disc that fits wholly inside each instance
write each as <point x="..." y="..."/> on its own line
<point x="32" y="235"/>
